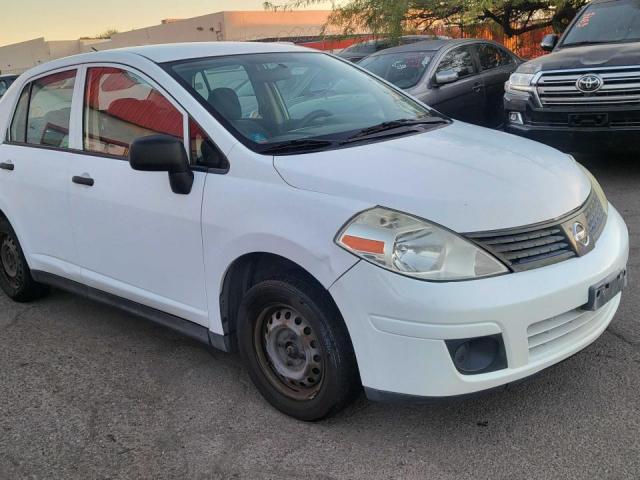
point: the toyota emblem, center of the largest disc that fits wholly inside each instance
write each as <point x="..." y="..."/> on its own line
<point x="589" y="83"/>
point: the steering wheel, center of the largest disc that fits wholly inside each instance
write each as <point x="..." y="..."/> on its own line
<point x="313" y="116"/>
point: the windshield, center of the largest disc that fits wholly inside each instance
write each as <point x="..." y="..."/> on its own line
<point x="404" y="69"/>
<point x="265" y="99"/>
<point x="609" y="22"/>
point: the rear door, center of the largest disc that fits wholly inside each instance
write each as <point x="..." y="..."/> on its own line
<point x="135" y="237"/>
<point x="496" y="65"/>
<point x="35" y="163"/>
<point x="464" y="99"/>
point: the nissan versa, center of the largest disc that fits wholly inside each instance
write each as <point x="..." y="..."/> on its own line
<point x="284" y="202"/>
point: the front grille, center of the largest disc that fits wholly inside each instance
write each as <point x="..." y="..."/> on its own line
<point x="621" y="86"/>
<point x="525" y="248"/>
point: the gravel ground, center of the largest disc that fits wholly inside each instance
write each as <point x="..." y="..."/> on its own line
<point x="87" y="391"/>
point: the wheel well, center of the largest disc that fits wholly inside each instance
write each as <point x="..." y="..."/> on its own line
<point x="249" y="270"/>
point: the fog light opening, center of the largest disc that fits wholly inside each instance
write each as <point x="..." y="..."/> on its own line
<point x="516" y="117"/>
<point x="478" y="355"/>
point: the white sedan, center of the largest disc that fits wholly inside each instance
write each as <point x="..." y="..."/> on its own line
<point x="280" y="201"/>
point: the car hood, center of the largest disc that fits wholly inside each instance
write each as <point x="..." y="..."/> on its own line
<point x="464" y="177"/>
<point x="589" y="56"/>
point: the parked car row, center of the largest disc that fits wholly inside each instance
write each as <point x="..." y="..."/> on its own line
<point x="584" y="95"/>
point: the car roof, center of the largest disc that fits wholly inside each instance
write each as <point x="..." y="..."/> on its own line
<point x="171" y="52"/>
<point x="428" y="46"/>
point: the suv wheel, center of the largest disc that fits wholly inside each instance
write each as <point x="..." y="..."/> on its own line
<point x="15" y="276"/>
<point x="297" y="349"/>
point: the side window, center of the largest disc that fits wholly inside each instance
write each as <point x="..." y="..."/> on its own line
<point x="459" y="60"/>
<point x="120" y="107"/>
<point x="492" y="57"/>
<point x="4" y="86"/>
<point x="203" y="150"/>
<point x="43" y="112"/>
<point x="18" y="129"/>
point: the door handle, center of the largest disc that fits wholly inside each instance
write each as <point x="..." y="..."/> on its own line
<point x="7" y="166"/>
<point x="88" y="181"/>
<point x="477" y="87"/>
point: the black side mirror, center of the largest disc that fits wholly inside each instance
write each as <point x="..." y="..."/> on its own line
<point x="549" y="42"/>
<point x="163" y="153"/>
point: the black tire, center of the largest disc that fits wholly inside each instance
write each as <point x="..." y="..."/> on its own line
<point x="323" y="339"/>
<point x="15" y="276"/>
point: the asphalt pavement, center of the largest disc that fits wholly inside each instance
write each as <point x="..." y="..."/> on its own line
<point x="87" y="391"/>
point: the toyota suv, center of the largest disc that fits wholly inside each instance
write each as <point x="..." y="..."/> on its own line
<point x="586" y="93"/>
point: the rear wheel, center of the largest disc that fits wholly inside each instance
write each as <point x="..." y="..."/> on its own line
<point x="15" y="276"/>
<point x="297" y="348"/>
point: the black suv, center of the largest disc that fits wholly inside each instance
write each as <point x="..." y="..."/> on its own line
<point x="586" y="94"/>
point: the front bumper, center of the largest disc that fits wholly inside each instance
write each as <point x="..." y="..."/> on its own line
<point x="552" y="125"/>
<point x="399" y="325"/>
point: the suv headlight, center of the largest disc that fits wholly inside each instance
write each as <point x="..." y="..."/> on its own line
<point x="414" y="247"/>
<point x="519" y="83"/>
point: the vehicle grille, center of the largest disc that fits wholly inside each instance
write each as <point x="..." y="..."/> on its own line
<point x="525" y="248"/>
<point x="620" y="86"/>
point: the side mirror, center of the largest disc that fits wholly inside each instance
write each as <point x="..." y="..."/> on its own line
<point x="163" y="153"/>
<point x="447" y="76"/>
<point x="549" y="42"/>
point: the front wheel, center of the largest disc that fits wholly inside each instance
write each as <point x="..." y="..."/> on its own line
<point x="297" y="349"/>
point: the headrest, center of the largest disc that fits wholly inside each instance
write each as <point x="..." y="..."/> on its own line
<point x="225" y="101"/>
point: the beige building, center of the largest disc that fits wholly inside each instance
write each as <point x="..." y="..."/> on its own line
<point x="229" y="26"/>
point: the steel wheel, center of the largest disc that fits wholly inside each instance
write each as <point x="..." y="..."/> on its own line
<point x="11" y="261"/>
<point x="289" y="352"/>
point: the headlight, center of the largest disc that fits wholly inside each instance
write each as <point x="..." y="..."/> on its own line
<point x="410" y="246"/>
<point x="597" y="189"/>
<point x="519" y="83"/>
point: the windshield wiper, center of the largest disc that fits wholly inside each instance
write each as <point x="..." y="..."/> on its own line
<point x="299" y="145"/>
<point x="406" y="123"/>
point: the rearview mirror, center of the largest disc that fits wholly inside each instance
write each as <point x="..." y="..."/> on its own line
<point x="549" y="42"/>
<point x="446" y="76"/>
<point x="163" y="153"/>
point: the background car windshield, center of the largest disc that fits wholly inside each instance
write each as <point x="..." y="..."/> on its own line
<point x="266" y="99"/>
<point x="607" y="22"/>
<point x="402" y="69"/>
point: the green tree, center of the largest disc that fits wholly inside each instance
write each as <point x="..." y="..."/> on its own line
<point x="394" y="17"/>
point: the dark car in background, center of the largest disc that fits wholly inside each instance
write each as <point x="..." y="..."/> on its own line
<point x="586" y="93"/>
<point x="5" y="83"/>
<point x="460" y="78"/>
<point x="360" y="50"/>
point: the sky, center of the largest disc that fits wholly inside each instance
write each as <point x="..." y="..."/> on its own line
<point x="22" y="20"/>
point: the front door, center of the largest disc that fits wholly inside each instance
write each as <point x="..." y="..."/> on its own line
<point x="464" y="99"/>
<point x="135" y="237"/>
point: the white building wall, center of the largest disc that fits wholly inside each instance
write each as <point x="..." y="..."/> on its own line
<point x="230" y="26"/>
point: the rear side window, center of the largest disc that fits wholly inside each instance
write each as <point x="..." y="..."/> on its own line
<point x="43" y="112"/>
<point x="120" y="107"/>
<point x="459" y="60"/>
<point x="493" y="57"/>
